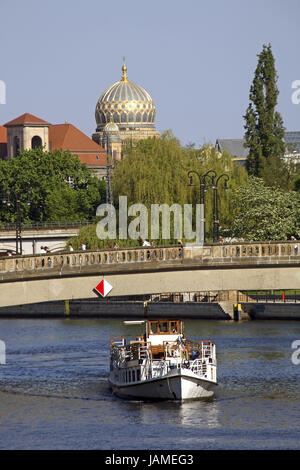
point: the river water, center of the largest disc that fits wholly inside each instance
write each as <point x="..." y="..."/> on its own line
<point x="54" y="392"/>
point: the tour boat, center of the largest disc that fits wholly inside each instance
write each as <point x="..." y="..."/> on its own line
<point x="162" y="364"/>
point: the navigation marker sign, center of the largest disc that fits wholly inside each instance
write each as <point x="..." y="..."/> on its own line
<point x="103" y="288"/>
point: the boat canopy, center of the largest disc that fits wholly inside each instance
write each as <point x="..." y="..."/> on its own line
<point x="164" y="328"/>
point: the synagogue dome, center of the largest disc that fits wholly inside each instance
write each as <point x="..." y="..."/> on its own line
<point x="126" y="104"/>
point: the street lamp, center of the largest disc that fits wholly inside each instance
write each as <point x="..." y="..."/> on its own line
<point x="216" y="222"/>
<point x="203" y="188"/>
<point x="6" y="200"/>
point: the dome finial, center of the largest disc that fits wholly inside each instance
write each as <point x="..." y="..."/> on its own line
<point x="124" y="70"/>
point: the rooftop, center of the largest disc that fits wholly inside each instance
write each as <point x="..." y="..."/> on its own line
<point x="233" y="146"/>
<point x="3" y="135"/>
<point x="68" y="137"/>
<point x="27" y="119"/>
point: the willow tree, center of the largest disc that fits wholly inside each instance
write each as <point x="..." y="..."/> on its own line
<point x="155" y="171"/>
<point x="264" y="136"/>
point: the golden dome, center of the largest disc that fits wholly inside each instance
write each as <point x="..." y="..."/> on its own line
<point x="126" y="104"/>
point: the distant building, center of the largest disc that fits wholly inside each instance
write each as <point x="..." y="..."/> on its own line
<point x="240" y="153"/>
<point x="26" y="132"/>
<point x="235" y="147"/>
<point x="124" y="113"/>
<point x="29" y="132"/>
<point x="3" y="142"/>
<point x="292" y="139"/>
<point x="68" y="137"/>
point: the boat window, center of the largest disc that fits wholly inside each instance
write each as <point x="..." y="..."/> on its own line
<point x="133" y="375"/>
<point x="153" y="328"/>
<point x="138" y="375"/>
<point x="163" y="327"/>
<point x="173" y="327"/>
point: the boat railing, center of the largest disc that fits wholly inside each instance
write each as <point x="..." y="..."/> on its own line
<point x="199" y="367"/>
<point x="136" y="350"/>
<point x="159" y="368"/>
<point x="201" y="349"/>
<point x="119" y="342"/>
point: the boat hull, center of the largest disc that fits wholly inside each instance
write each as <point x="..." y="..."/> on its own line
<point x="173" y="386"/>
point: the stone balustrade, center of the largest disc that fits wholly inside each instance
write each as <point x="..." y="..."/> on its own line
<point x="80" y="259"/>
<point x="226" y="251"/>
<point x="164" y="255"/>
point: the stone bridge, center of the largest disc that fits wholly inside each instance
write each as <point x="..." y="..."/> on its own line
<point x="153" y="270"/>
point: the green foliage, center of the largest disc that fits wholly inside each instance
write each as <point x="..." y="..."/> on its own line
<point x="41" y="178"/>
<point x="263" y="213"/>
<point x="296" y="180"/>
<point x="297" y="184"/>
<point x="264" y="134"/>
<point x="277" y="173"/>
<point x="155" y="172"/>
<point x="88" y="235"/>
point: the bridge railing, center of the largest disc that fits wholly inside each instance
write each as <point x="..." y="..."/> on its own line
<point x="161" y="254"/>
<point x="87" y="258"/>
<point x="261" y="249"/>
<point x="11" y="226"/>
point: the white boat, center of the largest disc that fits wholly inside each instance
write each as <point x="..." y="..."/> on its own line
<point x="162" y="364"/>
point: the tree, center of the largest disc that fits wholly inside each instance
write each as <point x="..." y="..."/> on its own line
<point x="154" y="171"/>
<point x="264" y="130"/>
<point x="57" y="185"/>
<point x="264" y="213"/>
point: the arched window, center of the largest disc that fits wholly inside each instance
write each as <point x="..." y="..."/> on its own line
<point x="16" y="145"/>
<point x="36" y="142"/>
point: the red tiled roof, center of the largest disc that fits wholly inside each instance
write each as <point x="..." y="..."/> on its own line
<point x="68" y="137"/>
<point x="92" y="160"/>
<point x="26" y="119"/>
<point x="3" y="135"/>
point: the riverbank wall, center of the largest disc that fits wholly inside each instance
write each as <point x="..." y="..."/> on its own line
<point x="146" y="309"/>
<point x="272" y="311"/>
<point x="115" y="309"/>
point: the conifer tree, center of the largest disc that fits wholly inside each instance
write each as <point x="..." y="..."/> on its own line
<point x="264" y="134"/>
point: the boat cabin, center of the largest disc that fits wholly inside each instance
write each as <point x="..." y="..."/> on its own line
<point x="162" y="332"/>
<point x="158" y="331"/>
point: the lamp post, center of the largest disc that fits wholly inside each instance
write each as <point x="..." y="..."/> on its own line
<point x="216" y="221"/>
<point x="109" y="191"/>
<point x="6" y="200"/>
<point x="203" y="188"/>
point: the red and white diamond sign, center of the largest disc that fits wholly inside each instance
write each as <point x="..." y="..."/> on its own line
<point x="104" y="288"/>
